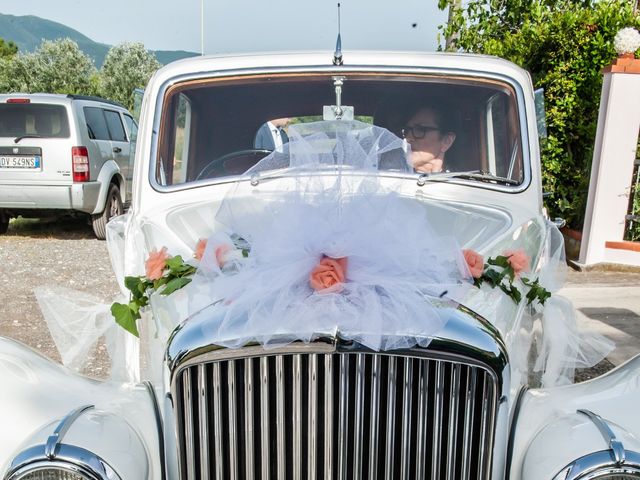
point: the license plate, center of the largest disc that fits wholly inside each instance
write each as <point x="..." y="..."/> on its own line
<point x="17" y="161"/>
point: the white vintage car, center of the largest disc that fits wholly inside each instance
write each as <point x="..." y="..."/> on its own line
<point x="230" y="381"/>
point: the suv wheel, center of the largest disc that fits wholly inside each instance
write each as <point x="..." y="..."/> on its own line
<point x="112" y="208"/>
<point x="4" y="222"/>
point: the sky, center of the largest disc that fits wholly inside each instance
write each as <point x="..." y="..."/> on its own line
<point x="245" y="25"/>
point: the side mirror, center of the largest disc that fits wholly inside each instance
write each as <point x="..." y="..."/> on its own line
<point x="559" y="222"/>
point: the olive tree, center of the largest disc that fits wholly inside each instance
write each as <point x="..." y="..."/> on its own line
<point x="7" y="49"/>
<point x="564" y="44"/>
<point x="127" y="66"/>
<point x="57" y="66"/>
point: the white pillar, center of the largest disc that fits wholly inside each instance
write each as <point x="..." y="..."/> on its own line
<point x="612" y="166"/>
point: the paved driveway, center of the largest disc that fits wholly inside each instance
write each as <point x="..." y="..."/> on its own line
<point x="609" y="303"/>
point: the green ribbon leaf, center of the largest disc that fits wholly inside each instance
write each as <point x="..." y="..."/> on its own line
<point x="125" y="317"/>
<point x="175" y="284"/>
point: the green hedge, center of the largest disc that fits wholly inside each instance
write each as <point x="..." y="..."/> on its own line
<point x="564" y="45"/>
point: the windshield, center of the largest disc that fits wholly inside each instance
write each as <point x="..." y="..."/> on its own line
<point x="25" y="119"/>
<point x="216" y="129"/>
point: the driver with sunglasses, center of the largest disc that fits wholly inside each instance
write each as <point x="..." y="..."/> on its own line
<point x="430" y="135"/>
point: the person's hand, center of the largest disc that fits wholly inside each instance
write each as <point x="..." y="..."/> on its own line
<point x="426" y="163"/>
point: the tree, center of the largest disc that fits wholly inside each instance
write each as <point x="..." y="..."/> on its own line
<point x="7" y="49"/>
<point x="57" y="66"/>
<point x="127" y="66"/>
<point x="564" y="44"/>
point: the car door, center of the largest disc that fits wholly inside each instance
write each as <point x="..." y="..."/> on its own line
<point x="119" y="141"/>
<point x="100" y="137"/>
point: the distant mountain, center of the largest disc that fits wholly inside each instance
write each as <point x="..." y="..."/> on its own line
<point x="28" y="31"/>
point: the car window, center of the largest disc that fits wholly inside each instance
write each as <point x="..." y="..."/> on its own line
<point x="96" y="123"/>
<point x="211" y="129"/>
<point x="114" y="124"/>
<point x="45" y="120"/>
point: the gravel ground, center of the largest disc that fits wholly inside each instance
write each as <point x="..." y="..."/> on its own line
<point x="65" y="253"/>
<point x="60" y="253"/>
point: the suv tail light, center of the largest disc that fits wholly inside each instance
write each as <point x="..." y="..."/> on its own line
<point x="80" y="164"/>
<point x="18" y="100"/>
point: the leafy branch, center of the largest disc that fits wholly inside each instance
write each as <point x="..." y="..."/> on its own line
<point x="176" y="274"/>
<point x="498" y="272"/>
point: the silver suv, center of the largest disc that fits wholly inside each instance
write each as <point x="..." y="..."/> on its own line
<point x="64" y="153"/>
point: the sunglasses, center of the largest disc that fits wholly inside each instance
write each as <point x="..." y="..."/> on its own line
<point x="418" y="131"/>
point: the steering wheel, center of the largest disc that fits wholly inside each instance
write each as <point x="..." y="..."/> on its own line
<point x="233" y="163"/>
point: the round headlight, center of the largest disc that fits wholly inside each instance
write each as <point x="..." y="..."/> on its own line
<point x="615" y="473"/>
<point x="602" y="466"/>
<point x="51" y="473"/>
<point x="69" y="463"/>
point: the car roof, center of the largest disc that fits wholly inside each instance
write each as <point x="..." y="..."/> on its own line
<point x="59" y="98"/>
<point x="357" y="60"/>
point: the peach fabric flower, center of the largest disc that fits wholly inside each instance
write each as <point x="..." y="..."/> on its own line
<point x="328" y="274"/>
<point x="201" y="246"/>
<point x="475" y="262"/>
<point x="221" y="254"/>
<point x="156" y="263"/>
<point x="518" y="260"/>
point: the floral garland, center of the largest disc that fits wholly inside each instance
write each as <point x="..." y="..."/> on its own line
<point x="165" y="274"/>
<point x="502" y="271"/>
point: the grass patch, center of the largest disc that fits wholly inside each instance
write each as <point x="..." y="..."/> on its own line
<point x="52" y="227"/>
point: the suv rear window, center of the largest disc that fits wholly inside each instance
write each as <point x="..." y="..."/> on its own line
<point x="44" y="120"/>
<point x="96" y="124"/>
<point x="104" y="124"/>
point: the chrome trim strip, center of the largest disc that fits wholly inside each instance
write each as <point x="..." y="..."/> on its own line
<point x="375" y="417"/>
<point x="313" y="417"/>
<point x="454" y="400"/>
<point x="53" y="442"/>
<point x="328" y="416"/>
<point x="513" y="427"/>
<point x="203" y="400"/>
<point x="264" y="417"/>
<point x="342" y="417"/>
<point x="217" y="420"/>
<point x="468" y="423"/>
<point x="391" y="409"/>
<point x="280" y="426"/>
<point x="233" y="436"/>
<point x="437" y="420"/>
<point x="358" y="421"/>
<point x="615" y="445"/>
<point x="405" y="436"/>
<point x="296" y="401"/>
<point x="189" y="434"/>
<point x="159" y="426"/>
<point x="483" y="465"/>
<point x="249" y="419"/>
<point x="423" y="399"/>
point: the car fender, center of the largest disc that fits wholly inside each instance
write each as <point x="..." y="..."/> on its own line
<point x="549" y="433"/>
<point x="38" y="393"/>
<point x="109" y="171"/>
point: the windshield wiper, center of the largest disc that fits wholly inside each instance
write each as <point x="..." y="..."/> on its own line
<point x="17" y="139"/>
<point x="469" y="175"/>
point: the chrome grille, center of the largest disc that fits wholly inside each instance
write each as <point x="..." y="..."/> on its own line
<point x="335" y="416"/>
